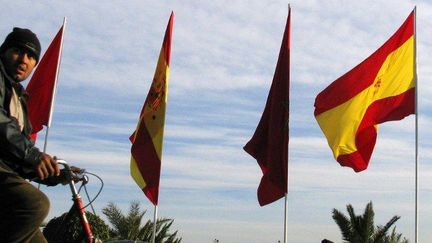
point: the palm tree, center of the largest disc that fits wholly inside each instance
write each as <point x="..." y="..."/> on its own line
<point x="129" y="227"/>
<point x="361" y="229"/>
<point x="395" y="238"/>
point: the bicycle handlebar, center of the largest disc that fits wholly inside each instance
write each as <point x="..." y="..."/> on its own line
<point x="76" y="171"/>
<point x="71" y="173"/>
<point x="67" y="175"/>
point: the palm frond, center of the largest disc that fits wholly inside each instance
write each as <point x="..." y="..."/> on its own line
<point x="344" y="224"/>
<point x="382" y="230"/>
<point x="367" y="224"/>
<point x="115" y="217"/>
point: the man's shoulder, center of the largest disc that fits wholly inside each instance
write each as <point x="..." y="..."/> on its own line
<point x="3" y="77"/>
<point x="3" y="91"/>
<point x="2" y="82"/>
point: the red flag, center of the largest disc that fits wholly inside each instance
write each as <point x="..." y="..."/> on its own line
<point x="269" y="144"/>
<point x="42" y="85"/>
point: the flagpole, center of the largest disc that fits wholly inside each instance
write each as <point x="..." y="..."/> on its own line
<point x="286" y="194"/>
<point x="55" y="87"/>
<point x="154" y="224"/>
<point x="416" y="130"/>
<point x="286" y="219"/>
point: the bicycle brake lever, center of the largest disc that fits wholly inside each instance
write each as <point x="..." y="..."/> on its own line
<point x="77" y="169"/>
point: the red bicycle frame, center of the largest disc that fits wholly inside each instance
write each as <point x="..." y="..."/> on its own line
<point x="78" y="205"/>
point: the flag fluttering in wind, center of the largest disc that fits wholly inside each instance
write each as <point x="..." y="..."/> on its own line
<point x="269" y="144"/>
<point x="380" y="89"/>
<point x="41" y="88"/>
<point x="147" y="138"/>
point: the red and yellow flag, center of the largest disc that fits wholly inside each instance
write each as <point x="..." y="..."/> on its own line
<point x="147" y="138"/>
<point x="269" y="144"/>
<point x="41" y="87"/>
<point x="380" y="89"/>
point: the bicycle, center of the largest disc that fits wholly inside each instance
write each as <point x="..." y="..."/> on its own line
<point x="71" y="176"/>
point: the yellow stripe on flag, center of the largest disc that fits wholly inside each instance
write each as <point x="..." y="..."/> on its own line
<point x="136" y="175"/>
<point x="154" y="112"/>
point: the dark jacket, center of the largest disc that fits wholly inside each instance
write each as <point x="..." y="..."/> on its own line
<point x="17" y="149"/>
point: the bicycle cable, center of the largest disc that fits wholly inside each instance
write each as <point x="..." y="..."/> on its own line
<point x="83" y="183"/>
<point x="97" y="194"/>
<point x="88" y="197"/>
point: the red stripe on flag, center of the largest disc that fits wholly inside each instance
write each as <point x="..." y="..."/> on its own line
<point x="389" y="109"/>
<point x="168" y="39"/>
<point x="148" y="162"/>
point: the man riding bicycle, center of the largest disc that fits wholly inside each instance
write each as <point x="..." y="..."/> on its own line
<point x="22" y="206"/>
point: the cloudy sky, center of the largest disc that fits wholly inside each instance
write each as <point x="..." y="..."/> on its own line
<point x="223" y="58"/>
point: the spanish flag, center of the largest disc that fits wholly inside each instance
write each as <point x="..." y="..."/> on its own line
<point x="380" y="89"/>
<point x="147" y="138"/>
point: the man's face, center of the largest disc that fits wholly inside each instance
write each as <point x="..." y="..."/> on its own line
<point x="18" y="63"/>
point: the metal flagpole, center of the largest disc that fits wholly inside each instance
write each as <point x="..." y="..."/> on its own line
<point x="154" y="224"/>
<point x="286" y="194"/>
<point x="416" y="129"/>
<point x="55" y="87"/>
<point x="286" y="218"/>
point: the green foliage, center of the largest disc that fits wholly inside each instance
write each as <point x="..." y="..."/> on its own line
<point x="361" y="228"/>
<point x="395" y="238"/>
<point x="68" y="228"/>
<point x="128" y="227"/>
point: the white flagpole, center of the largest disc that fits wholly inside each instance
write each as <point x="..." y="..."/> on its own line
<point x="154" y="224"/>
<point x="416" y="130"/>
<point x="55" y="87"/>
<point x="286" y="194"/>
<point x="286" y="218"/>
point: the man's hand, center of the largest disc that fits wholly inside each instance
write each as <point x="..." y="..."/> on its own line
<point x="47" y="167"/>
